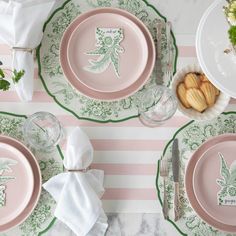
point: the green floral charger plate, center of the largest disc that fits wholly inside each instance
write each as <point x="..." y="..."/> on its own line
<point x="190" y="137"/>
<point x="51" y="164"/>
<point x="71" y="100"/>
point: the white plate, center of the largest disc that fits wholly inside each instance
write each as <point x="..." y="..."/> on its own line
<point x="211" y="41"/>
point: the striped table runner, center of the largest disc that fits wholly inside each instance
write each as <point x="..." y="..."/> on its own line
<point x="126" y="151"/>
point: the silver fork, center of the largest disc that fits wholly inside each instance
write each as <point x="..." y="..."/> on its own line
<point x="164" y="175"/>
<point x="168" y="74"/>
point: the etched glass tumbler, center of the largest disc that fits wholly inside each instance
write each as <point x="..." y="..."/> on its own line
<point x="157" y="105"/>
<point x="42" y="131"/>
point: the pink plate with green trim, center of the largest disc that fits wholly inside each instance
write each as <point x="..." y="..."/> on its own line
<point x="206" y="172"/>
<point x="20" y="183"/>
<point x="200" y="181"/>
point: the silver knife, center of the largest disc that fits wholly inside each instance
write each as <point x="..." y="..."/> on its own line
<point x="175" y="169"/>
<point x="168" y="41"/>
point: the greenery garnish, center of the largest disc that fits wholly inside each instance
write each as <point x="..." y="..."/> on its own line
<point x="4" y="85"/>
<point x="232" y="35"/>
<point x="16" y="76"/>
<point x="2" y="75"/>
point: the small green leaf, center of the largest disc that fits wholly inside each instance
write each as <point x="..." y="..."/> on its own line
<point x="2" y="75"/>
<point x="4" y="85"/>
<point x="232" y="34"/>
<point x="17" y="75"/>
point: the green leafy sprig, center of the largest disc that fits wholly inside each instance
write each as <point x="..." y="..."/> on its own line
<point x="232" y="34"/>
<point x="16" y="76"/>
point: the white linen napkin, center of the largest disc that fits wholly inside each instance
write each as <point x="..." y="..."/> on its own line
<point x="78" y="193"/>
<point x="21" y="25"/>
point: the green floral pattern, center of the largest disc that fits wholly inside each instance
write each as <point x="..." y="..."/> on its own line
<point x="227" y="194"/>
<point x="2" y="195"/>
<point x="108" y="49"/>
<point x="5" y="166"/>
<point x="50" y="165"/>
<point x="99" y="3"/>
<point x="57" y="86"/>
<point x="191" y="136"/>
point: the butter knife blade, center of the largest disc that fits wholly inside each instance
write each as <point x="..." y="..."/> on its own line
<point x="175" y="160"/>
<point x="175" y="169"/>
<point x="168" y="42"/>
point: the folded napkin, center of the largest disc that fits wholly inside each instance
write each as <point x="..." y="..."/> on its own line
<point x="21" y="25"/>
<point x="78" y="193"/>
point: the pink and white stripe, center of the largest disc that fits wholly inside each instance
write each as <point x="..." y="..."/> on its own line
<point x="126" y="151"/>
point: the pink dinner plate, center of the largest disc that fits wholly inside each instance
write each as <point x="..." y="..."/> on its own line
<point x="206" y="172"/>
<point x="132" y="61"/>
<point x="21" y="186"/>
<point x="22" y="192"/>
<point x="207" y="177"/>
<point x="137" y="61"/>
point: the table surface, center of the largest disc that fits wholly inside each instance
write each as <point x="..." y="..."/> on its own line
<point x="126" y="151"/>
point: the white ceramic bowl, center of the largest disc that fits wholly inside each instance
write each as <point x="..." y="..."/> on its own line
<point x="210" y="113"/>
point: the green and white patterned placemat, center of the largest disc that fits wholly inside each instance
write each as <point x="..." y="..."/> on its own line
<point x="51" y="164"/>
<point x="57" y="86"/>
<point x="190" y="137"/>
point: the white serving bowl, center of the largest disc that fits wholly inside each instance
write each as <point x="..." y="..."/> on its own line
<point x="210" y="113"/>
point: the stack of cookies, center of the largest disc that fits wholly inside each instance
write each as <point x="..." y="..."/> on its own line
<point x="197" y="92"/>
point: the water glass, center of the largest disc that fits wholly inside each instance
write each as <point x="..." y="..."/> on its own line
<point x="157" y="105"/>
<point x="42" y="131"/>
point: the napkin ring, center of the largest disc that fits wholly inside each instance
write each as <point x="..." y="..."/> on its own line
<point x="30" y="50"/>
<point x="79" y="170"/>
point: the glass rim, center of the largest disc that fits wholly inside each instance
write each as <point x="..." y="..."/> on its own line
<point x="30" y="118"/>
<point x="162" y="87"/>
<point x="142" y="114"/>
<point x="159" y="121"/>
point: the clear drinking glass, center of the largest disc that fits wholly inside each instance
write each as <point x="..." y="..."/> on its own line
<point x="42" y="131"/>
<point x="157" y="104"/>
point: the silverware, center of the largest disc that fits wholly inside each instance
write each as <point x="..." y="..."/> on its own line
<point x="164" y="175"/>
<point x="175" y="169"/>
<point x="160" y="28"/>
<point x="168" y="40"/>
<point x="169" y="67"/>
